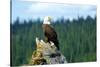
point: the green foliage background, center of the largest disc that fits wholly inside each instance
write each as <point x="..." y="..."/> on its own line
<point x="77" y="39"/>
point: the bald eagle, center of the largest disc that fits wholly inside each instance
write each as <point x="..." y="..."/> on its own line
<point x="49" y="32"/>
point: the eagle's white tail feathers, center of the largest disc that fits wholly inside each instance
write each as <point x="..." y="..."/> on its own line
<point x="52" y="44"/>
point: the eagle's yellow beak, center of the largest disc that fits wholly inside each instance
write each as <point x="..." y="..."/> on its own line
<point x="49" y="18"/>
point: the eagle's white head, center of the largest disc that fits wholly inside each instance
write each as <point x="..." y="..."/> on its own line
<point x="47" y="20"/>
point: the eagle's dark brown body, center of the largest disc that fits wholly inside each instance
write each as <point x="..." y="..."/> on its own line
<point x="50" y="34"/>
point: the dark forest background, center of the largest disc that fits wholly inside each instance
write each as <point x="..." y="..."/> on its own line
<point x="77" y="39"/>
